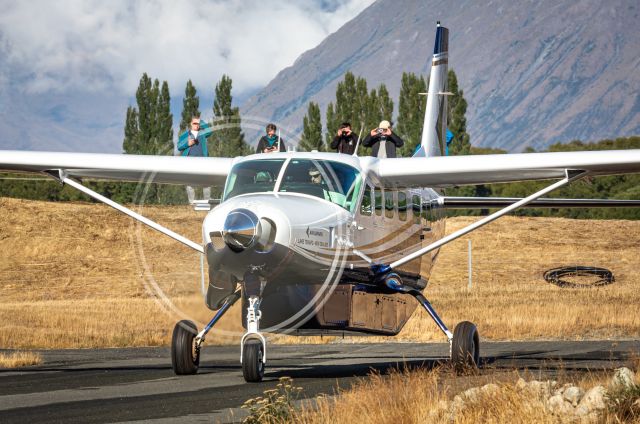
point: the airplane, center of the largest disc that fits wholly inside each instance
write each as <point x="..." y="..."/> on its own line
<point x="315" y="242"/>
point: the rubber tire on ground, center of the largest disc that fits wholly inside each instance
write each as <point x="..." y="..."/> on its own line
<point x="465" y="347"/>
<point x="252" y="365"/>
<point x="184" y="359"/>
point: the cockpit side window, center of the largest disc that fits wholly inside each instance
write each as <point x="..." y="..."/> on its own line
<point x="378" y="201"/>
<point x="389" y="204"/>
<point x="365" y="206"/>
<point x="255" y="176"/>
<point x="402" y="205"/>
<point x="416" y="208"/>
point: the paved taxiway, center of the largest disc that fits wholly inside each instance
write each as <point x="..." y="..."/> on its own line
<point x="123" y="385"/>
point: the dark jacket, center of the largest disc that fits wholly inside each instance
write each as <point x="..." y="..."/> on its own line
<point x="264" y="143"/>
<point x="393" y="141"/>
<point x="345" y="144"/>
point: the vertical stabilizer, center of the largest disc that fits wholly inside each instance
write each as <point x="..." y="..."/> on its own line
<point x="435" y="117"/>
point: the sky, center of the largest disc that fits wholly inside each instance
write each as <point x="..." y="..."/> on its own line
<point x="69" y="69"/>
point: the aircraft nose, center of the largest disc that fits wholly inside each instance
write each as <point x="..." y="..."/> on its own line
<point x="241" y="229"/>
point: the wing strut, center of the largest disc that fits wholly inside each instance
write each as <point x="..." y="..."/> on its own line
<point x="60" y="175"/>
<point x="570" y="175"/>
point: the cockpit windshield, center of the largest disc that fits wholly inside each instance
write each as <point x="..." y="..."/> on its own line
<point x="333" y="181"/>
<point x="254" y="176"/>
<point x="336" y="182"/>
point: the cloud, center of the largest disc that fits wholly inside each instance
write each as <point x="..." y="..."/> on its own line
<point x="95" y="46"/>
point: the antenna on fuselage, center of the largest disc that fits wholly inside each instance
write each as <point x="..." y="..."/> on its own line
<point x="355" y="152"/>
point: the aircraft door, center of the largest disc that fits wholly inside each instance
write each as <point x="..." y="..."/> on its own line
<point x="365" y="218"/>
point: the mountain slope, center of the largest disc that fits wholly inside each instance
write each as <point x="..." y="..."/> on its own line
<point x="533" y="73"/>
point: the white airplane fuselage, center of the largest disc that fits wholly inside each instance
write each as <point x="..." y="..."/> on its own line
<point x="312" y="252"/>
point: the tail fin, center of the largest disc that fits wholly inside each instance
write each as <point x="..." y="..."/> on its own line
<point x="435" y="117"/>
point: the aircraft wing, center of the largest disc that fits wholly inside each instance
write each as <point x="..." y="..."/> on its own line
<point x="194" y="171"/>
<point x="447" y="171"/>
<point x="451" y="202"/>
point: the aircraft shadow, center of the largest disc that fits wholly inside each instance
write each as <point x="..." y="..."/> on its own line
<point x="351" y="370"/>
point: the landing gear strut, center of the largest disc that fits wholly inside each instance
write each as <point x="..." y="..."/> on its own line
<point x="186" y="341"/>
<point x="464" y="343"/>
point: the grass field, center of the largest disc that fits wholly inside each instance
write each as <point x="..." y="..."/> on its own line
<point x="83" y="275"/>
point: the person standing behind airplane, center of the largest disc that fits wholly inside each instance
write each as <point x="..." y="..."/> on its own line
<point x="345" y="141"/>
<point x="271" y="142"/>
<point x="383" y="141"/>
<point x="193" y="142"/>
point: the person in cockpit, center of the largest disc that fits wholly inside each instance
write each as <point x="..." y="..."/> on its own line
<point x="329" y="194"/>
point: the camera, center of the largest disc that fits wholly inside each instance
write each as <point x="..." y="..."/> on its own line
<point x="380" y="130"/>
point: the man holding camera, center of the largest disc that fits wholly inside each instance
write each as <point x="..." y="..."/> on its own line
<point x="383" y="141"/>
<point x="345" y="141"/>
<point x="193" y="143"/>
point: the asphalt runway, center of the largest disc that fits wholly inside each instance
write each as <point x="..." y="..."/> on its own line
<point x="138" y="384"/>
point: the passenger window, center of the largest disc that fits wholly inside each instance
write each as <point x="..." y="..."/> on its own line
<point x="416" y="209"/>
<point x="378" y="201"/>
<point x="389" y="205"/>
<point x="365" y="206"/>
<point x="402" y="206"/>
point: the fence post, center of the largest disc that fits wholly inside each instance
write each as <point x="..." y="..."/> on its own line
<point x="470" y="268"/>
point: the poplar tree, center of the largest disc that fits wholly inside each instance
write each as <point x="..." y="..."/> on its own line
<point x="227" y="139"/>
<point x="190" y="106"/>
<point x="312" y="130"/>
<point x="131" y="131"/>
<point x="148" y="130"/>
<point x="163" y="129"/>
<point x="380" y="106"/>
<point x="457" y="107"/>
<point x="460" y="145"/>
<point x="411" y="108"/>
<point x="352" y="105"/>
<point x="332" y="126"/>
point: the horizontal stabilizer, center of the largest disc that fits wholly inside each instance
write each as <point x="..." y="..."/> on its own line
<point x="500" y="202"/>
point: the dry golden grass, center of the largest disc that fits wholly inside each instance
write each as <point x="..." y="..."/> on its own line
<point x="423" y="396"/>
<point x="19" y="359"/>
<point x="84" y="275"/>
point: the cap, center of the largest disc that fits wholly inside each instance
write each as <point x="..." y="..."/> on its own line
<point x="384" y="125"/>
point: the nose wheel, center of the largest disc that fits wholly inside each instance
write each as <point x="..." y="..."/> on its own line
<point x="252" y="364"/>
<point x="253" y="344"/>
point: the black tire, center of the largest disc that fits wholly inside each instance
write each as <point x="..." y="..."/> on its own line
<point x="465" y="347"/>
<point x="252" y="365"/>
<point x="185" y="358"/>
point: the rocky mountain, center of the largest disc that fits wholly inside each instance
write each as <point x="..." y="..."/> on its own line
<point x="533" y="72"/>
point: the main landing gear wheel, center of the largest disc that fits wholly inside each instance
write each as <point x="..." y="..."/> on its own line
<point x="185" y="355"/>
<point x="252" y="365"/>
<point x="465" y="347"/>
